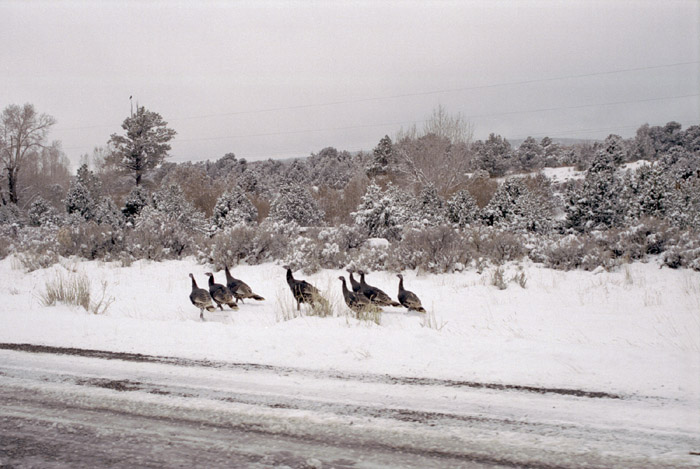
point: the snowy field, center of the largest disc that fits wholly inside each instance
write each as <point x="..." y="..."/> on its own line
<point x="635" y="331"/>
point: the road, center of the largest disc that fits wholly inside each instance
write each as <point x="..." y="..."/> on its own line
<point x="79" y="408"/>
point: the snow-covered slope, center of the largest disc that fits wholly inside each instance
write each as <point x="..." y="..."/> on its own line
<point x="634" y="331"/>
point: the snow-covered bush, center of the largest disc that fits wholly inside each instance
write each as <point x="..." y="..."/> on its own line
<point x="90" y="240"/>
<point x="686" y="255"/>
<point x="158" y="236"/>
<point x="232" y="246"/>
<point x="433" y="249"/>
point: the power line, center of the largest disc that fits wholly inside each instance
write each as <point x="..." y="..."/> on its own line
<point x="421" y="93"/>
<point x="383" y="124"/>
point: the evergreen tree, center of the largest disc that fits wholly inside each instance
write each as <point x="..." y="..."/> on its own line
<point x="615" y="147"/>
<point x="294" y="203"/>
<point x="596" y="205"/>
<point x="170" y="202"/>
<point x="41" y="213"/>
<point x="530" y="155"/>
<point x="232" y="208"/>
<point x="80" y="201"/>
<point x="462" y="209"/>
<point x="429" y="208"/>
<point x="107" y="213"/>
<point x="383" y="213"/>
<point x="492" y="155"/>
<point x="137" y="199"/>
<point x="145" y="144"/>
<point x="382" y="156"/>
<point x="503" y="207"/>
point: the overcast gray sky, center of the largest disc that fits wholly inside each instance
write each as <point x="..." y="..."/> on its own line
<point x="279" y="79"/>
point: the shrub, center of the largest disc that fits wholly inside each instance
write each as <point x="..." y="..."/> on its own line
<point x="435" y="249"/>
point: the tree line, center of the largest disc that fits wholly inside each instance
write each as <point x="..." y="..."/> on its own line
<point x="423" y="179"/>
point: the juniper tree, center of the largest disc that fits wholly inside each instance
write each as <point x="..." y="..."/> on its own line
<point x="294" y="203"/>
<point x="595" y="205"/>
<point x="462" y="209"/>
<point x="382" y="156"/>
<point x="232" y="208"/>
<point x="137" y="199"/>
<point x="530" y="155"/>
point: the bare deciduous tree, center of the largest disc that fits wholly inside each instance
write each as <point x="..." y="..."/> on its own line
<point x="22" y="131"/>
<point x="440" y="156"/>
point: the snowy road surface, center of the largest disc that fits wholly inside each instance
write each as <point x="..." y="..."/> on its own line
<point x="76" y="408"/>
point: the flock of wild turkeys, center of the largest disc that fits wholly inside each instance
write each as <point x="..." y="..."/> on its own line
<point x="360" y="298"/>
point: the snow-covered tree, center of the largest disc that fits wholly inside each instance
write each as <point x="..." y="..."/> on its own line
<point x="503" y="207"/>
<point x="530" y="155"/>
<point x="144" y="145"/>
<point x="41" y="213"/>
<point x="647" y="192"/>
<point x="492" y="155"/>
<point x="596" y="205"/>
<point x="294" y="203"/>
<point x="107" y="213"/>
<point x="614" y="145"/>
<point x="383" y="213"/>
<point x="429" y="208"/>
<point x="137" y="199"/>
<point x="232" y="208"/>
<point x="462" y="209"/>
<point x="80" y="201"/>
<point x="170" y="201"/>
<point x="382" y="156"/>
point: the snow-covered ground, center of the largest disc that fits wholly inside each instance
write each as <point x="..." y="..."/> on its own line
<point x="633" y="331"/>
<point x="569" y="173"/>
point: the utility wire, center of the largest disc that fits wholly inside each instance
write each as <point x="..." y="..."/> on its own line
<point x="406" y="95"/>
<point x="383" y="124"/>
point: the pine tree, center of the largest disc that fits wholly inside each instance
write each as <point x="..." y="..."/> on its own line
<point x="232" y="208"/>
<point x="294" y="203"/>
<point x="144" y="145"/>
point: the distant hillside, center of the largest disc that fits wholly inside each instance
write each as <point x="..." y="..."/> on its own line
<point x="561" y="141"/>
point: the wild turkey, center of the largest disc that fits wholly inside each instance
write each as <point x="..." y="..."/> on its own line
<point x="304" y="292"/>
<point x="239" y="288"/>
<point x="201" y="299"/>
<point x="409" y="299"/>
<point x="357" y="301"/>
<point x="375" y="295"/>
<point x="355" y="284"/>
<point x="220" y="294"/>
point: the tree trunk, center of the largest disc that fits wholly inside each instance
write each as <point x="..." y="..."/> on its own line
<point x="12" y="185"/>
